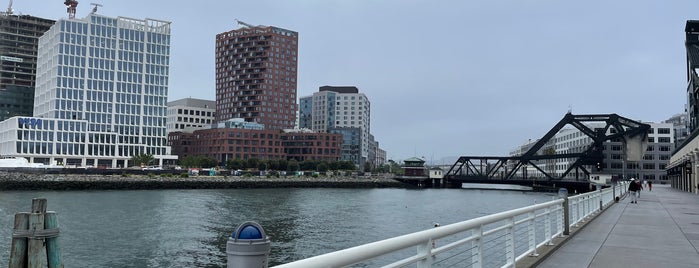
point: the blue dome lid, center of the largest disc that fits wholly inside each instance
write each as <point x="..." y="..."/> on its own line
<point x="250" y="232"/>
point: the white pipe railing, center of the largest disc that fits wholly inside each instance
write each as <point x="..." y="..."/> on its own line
<point x="495" y="240"/>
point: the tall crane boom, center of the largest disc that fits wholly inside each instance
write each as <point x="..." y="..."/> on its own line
<point x="9" y="9"/>
<point x="71" y="6"/>
<point x="244" y="24"/>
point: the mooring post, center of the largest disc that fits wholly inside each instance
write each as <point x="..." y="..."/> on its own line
<point x="53" y="249"/>
<point x="18" y="252"/>
<point x="37" y="251"/>
<point x="34" y="238"/>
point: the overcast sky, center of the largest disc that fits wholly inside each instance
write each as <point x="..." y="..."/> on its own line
<point x="447" y="78"/>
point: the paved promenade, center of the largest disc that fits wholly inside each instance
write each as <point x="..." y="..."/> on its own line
<point x="661" y="230"/>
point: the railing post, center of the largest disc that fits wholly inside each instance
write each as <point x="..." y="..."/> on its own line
<point x="563" y="193"/>
<point x="532" y="234"/>
<point x="477" y="251"/>
<point x="425" y="249"/>
<point x="510" y="241"/>
<point x="566" y="216"/>
<point x="600" y="199"/>
<point x="547" y="228"/>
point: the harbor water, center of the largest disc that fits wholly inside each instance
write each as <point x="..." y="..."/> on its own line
<point x="189" y="228"/>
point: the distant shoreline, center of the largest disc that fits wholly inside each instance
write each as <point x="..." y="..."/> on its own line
<point x="10" y="181"/>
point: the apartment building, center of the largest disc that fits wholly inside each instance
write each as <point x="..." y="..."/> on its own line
<point x="256" y="72"/>
<point x="190" y="113"/>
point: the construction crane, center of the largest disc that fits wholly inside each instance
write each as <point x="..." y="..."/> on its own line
<point x="9" y="9"/>
<point x="94" y="9"/>
<point x="71" y="6"/>
<point x="244" y="24"/>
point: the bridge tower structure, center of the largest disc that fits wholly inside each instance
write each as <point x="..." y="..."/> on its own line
<point x="632" y="134"/>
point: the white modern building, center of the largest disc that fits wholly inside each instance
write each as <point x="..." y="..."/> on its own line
<point x="190" y="113"/>
<point x="101" y="94"/>
<point x="340" y="110"/>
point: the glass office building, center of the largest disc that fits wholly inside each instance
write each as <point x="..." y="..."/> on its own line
<point x="108" y="75"/>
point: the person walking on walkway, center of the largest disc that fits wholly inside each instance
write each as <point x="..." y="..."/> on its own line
<point x="633" y="188"/>
<point x="650" y="186"/>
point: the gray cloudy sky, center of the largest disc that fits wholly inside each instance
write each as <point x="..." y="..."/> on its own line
<point x="448" y="78"/>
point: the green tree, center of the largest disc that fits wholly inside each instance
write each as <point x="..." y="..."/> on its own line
<point x="322" y="167"/>
<point x="142" y="159"/>
<point x="262" y="165"/>
<point x="198" y="161"/>
<point x="282" y="164"/>
<point x="367" y="166"/>
<point x="334" y="165"/>
<point x="235" y="164"/>
<point x="273" y="164"/>
<point x="252" y="163"/>
<point x="208" y="162"/>
<point x="293" y="165"/>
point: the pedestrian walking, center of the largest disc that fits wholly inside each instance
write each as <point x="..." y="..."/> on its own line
<point x="650" y="186"/>
<point x="633" y="188"/>
<point x="640" y="188"/>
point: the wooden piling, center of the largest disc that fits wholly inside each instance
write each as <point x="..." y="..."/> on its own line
<point x="35" y="238"/>
<point x="18" y="252"/>
<point x="37" y="252"/>
<point x="53" y="249"/>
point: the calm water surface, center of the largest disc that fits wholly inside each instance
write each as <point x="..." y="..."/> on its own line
<point x="189" y="228"/>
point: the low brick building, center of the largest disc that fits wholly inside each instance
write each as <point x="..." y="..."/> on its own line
<point x="241" y="143"/>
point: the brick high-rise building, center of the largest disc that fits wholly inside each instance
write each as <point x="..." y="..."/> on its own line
<point x="256" y="70"/>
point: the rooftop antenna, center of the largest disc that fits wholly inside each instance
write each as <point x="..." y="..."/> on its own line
<point x="71" y="6"/>
<point x="94" y="9"/>
<point x="9" y="9"/>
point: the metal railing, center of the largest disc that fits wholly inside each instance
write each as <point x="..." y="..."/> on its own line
<point x="497" y="240"/>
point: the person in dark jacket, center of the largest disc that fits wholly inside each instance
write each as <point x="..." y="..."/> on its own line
<point x="633" y="188"/>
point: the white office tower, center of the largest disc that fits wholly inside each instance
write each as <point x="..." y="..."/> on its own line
<point x="110" y="76"/>
<point x="342" y="110"/>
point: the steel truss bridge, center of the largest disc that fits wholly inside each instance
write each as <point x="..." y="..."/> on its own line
<point x="509" y="169"/>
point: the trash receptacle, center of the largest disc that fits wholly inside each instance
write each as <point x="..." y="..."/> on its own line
<point x="248" y="246"/>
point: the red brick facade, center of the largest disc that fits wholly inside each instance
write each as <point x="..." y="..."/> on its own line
<point x="234" y="143"/>
<point x="256" y="71"/>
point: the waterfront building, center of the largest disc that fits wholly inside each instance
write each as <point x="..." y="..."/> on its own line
<point x="680" y="125"/>
<point x="684" y="163"/>
<point x="101" y="94"/>
<point x="345" y="111"/>
<point x="190" y="113"/>
<point x="651" y="167"/>
<point x="414" y="167"/>
<point x="19" y="35"/>
<point x="238" y="139"/>
<point x="256" y="72"/>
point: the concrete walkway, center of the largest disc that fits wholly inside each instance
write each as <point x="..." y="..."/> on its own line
<point x="661" y="230"/>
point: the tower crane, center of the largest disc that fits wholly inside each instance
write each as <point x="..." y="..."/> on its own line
<point x="9" y="9"/>
<point x="71" y="6"/>
<point x="244" y="24"/>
